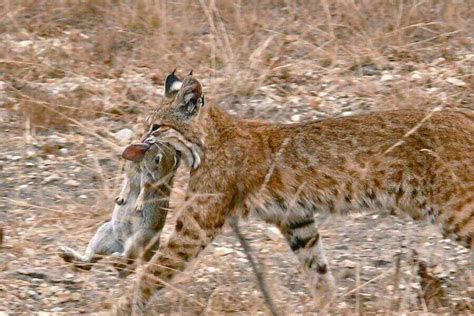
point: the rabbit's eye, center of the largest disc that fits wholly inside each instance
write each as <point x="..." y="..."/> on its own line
<point x="158" y="159"/>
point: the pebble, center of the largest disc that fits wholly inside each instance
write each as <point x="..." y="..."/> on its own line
<point x="30" y="153"/>
<point x="387" y="77"/>
<point x="76" y="296"/>
<point x="223" y="251"/>
<point x="455" y="81"/>
<point x="438" y="61"/>
<point x="29" y="252"/>
<point x="273" y="233"/>
<point x="124" y="135"/>
<point x="72" y="183"/>
<point x="348" y="264"/>
<point x="64" y="151"/>
<point x="415" y="286"/>
<point x="416" y="76"/>
<point x="296" y="117"/>
<point x="63" y="297"/>
<point x="51" y="178"/>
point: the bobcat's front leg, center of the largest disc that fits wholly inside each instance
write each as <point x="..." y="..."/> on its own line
<point x="195" y="228"/>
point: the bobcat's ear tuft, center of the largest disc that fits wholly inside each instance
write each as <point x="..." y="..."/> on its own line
<point x="172" y="84"/>
<point x="135" y="152"/>
<point x="192" y="98"/>
<point x="190" y="73"/>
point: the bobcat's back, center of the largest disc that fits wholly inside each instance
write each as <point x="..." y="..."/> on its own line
<point x="409" y="162"/>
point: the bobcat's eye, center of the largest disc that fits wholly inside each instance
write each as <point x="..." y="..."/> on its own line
<point x="154" y="127"/>
<point x="158" y="159"/>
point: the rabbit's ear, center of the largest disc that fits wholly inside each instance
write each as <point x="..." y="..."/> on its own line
<point x="135" y="152"/>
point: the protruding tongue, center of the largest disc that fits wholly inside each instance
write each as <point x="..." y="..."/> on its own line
<point x="135" y="152"/>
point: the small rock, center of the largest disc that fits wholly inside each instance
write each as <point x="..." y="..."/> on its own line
<point x="72" y="183"/>
<point x="369" y="70"/>
<point x="223" y="251"/>
<point x="55" y="288"/>
<point x="347" y="113"/>
<point x="45" y="291"/>
<point x="29" y="252"/>
<point x="415" y="286"/>
<point x="211" y="270"/>
<point x="348" y="264"/>
<point x="34" y="295"/>
<point x="76" y="296"/>
<point x="416" y="76"/>
<point x="455" y="81"/>
<point x="63" y="297"/>
<point x="463" y="251"/>
<point x="296" y="117"/>
<point x="25" y="43"/>
<point x="438" y="61"/>
<point x="64" y="151"/>
<point x="30" y="153"/>
<point x="273" y="233"/>
<point x="386" y="77"/>
<point x="124" y="135"/>
<point x="51" y="178"/>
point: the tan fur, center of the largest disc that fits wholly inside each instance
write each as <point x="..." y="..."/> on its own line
<point x="410" y="162"/>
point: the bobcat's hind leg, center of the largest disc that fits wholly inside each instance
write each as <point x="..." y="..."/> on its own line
<point x="103" y="243"/>
<point x="305" y="241"/>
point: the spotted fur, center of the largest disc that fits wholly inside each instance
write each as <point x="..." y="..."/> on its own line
<point x="408" y="162"/>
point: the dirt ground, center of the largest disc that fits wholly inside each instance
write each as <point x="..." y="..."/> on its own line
<point x="70" y="101"/>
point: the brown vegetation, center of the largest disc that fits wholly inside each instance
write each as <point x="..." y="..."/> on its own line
<point x="74" y="73"/>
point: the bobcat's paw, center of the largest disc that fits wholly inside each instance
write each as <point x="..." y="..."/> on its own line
<point x="126" y="306"/>
<point x="120" y="200"/>
<point x="323" y="288"/>
<point x="123" y="307"/>
<point x="140" y="206"/>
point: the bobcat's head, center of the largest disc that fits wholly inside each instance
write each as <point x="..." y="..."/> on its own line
<point x="177" y="118"/>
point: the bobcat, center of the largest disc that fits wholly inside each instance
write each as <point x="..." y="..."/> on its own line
<point x="408" y="162"/>
<point x="141" y="209"/>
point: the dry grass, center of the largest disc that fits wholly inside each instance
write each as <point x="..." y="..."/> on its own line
<point x="64" y="64"/>
<point x="241" y="45"/>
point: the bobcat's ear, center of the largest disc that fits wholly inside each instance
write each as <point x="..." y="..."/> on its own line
<point x="172" y="84"/>
<point x="135" y="152"/>
<point x="191" y="97"/>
